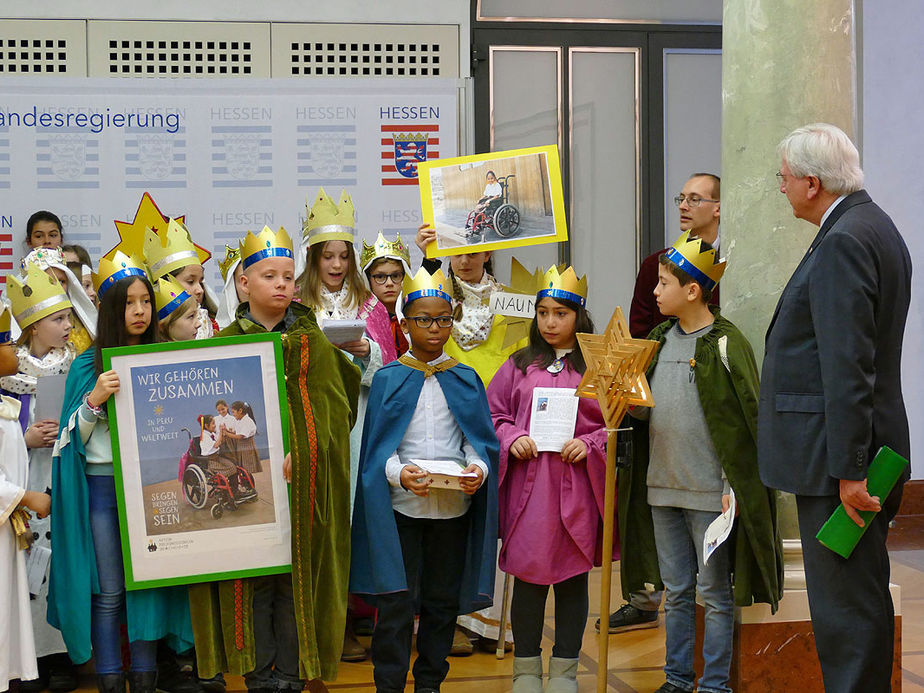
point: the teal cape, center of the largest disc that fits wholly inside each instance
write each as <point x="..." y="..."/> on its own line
<point x="377" y="565"/>
<point x="150" y="614"/>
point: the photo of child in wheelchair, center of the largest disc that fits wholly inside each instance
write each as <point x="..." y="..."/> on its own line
<point x="207" y="473"/>
<point x="493" y="212"/>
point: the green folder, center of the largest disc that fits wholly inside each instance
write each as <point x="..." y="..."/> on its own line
<point x="840" y="533"/>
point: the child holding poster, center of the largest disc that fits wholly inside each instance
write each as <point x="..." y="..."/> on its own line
<point x="279" y="631"/>
<point x="417" y="547"/>
<point x="86" y="594"/>
<point x="551" y="495"/>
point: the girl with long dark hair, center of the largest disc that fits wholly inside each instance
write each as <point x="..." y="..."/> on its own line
<point x="87" y="594"/>
<point x="550" y="501"/>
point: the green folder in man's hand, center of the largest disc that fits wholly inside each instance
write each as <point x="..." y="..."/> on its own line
<point x="840" y="533"/>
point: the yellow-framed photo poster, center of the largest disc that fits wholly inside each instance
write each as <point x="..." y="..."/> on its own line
<point x="491" y="201"/>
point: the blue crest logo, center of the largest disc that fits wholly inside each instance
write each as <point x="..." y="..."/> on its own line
<point x="410" y="150"/>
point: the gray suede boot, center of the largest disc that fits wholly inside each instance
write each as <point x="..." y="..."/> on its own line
<point x="562" y="676"/>
<point x="527" y="675"/>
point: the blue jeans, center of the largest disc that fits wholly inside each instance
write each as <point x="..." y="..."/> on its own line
<point x="679" y="538"/>
<point x="107" y="606"/>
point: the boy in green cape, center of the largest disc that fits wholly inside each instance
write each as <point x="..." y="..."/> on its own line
<point x="281" y="630"/>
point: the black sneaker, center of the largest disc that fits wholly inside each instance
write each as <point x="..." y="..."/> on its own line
<point x="671" y="688"/>
<point x="627" y="617"/>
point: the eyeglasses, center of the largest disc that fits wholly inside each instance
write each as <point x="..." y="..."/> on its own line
<point x="395" y="277"/>
<point x="691" y="200"/>
<point x="424" y="321"/>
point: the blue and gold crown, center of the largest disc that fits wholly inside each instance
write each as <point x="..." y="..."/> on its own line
<point x="37" y="295"/>
<point x="425" y="284"/>
<point x="6" y="335"/>
<point x="566" y="285"/>
<point x="168" y="296"/>
<point x="383" y="249"/>
<point x="688" y="255"/>
<point x="266" y="244"/>
<point x="112" y="270"/>
<point x="330" y="222"/>
<point x="232" y="257"/>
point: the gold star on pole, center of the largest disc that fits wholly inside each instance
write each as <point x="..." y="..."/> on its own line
<point x="616" y="365"/>
<point x="148" y="216"/>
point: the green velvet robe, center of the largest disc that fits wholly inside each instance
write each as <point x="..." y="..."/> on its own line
<point x="322" y="387"/>
<point x="727" y="383"/>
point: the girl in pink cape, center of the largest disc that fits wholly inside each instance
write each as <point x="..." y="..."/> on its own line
<point x="550" y="503"/>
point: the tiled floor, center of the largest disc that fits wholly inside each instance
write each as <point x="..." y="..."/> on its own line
<point x="636" y="658"/>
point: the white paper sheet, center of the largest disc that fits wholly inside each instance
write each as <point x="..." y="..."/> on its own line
<point x="719" y="529"/>
<point x="343" y="331"/>
<point x="445" y="474"/>
<point x="553" y="417"/>
<point x="37" y="567"/>
<point x="49" y="396"/>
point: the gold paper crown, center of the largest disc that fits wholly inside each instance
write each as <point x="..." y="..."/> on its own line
<point x="37" y="295"/>
<point x="563" y="284"/>
<point x="267" y="243"/>
<point x="688" y="255"/>
<point x="169" y="250"/>
<point x="232" y="256"/>
<point x="5" y="333"/>
<point x="425" y="284"/>
<point x="384" y="249"/>
<point x="148" y="216"/>
<point x="168" y="296"/>
<point x="329" y="222"/>
<point x="115" y="268"/>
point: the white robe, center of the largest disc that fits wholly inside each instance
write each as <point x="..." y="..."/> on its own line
<point x="17" y="648"/>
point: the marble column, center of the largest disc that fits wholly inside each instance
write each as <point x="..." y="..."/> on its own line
<point x="785" y="63"/>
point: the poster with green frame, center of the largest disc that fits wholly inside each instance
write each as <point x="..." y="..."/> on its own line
<point x="199" y="436"/>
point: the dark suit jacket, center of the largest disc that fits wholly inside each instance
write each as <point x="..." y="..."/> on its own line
<point x="831" y="381"/>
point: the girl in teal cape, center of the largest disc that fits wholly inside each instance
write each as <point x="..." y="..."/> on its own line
<point x="87" y="600"/>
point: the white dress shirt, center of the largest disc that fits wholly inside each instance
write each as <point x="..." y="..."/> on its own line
<point x="432" y="434"/>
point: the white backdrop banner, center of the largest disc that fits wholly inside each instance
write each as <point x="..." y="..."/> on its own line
<point x="231" y="155"/>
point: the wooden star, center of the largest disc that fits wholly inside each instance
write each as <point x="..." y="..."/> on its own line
<point x="616" y="365"/>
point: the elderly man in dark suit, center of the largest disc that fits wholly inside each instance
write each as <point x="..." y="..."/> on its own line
<point x="831" y="397"/>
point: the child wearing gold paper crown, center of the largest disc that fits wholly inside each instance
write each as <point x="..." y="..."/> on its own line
<point x="171" y="253"/>
<point x="385" y="265"/>
<point x="87" y="600"/>
<point x="16" y="500"/>
<point x="44" y="312"/>
<point x="417" y="547"/>
<point x="281" y="630"/>
<point x="699" y="447"/>
<point x="551" y="500"/>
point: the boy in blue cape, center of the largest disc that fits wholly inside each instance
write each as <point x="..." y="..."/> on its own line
<point x="415" y="544"/>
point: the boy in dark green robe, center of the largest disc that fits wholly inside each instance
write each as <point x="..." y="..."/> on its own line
<point x="279" y="631"/>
